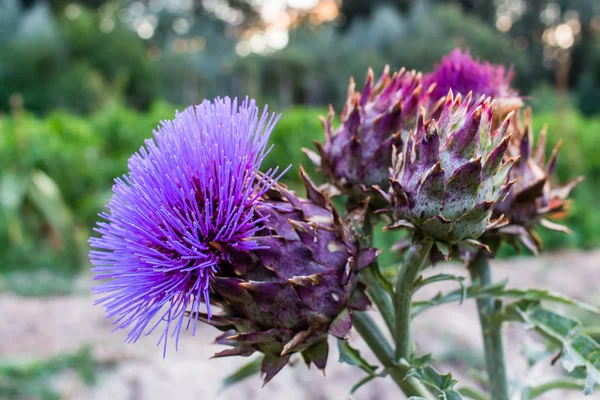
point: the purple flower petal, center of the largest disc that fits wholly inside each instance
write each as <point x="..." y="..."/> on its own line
<point x="189" y="199"/>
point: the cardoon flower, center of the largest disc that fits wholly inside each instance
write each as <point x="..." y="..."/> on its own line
<point x="533" y="198"/>
<point x="188" y="201"/>
<point x="462" y="74"/>
<point x="358" y="154"/>
<point x="300" y="287"/>
<point x="450" y="175"/>
<point x="195" y="222"/>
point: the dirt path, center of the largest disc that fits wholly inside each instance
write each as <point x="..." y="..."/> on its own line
<point x="34" y="327"/>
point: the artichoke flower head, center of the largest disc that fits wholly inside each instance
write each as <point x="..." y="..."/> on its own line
<point x="451" y="174"/>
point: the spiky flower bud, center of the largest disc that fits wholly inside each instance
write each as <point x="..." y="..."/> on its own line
<point x="533" y="198"/>
<point x="462" y="74"/>
<point x="301" y="286"/>
<point x="450" y="175"/>
<point x="358" y="154"/>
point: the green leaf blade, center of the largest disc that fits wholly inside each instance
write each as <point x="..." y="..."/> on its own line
<point x="246" y="371"/>
<point x="442" y="384"/>
<point x="350" y="355"/>
<point x="578" y="349"/>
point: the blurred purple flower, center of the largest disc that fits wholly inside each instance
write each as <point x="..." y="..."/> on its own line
<point x="189" y="198"/>
<point x="463" y="74"/>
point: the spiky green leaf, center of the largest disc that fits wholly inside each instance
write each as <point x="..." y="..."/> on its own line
<point x="442" y="384"/>
<point x="499" y="290"/>
<point x="350" y="355"/>
<point x="577" y="349"/>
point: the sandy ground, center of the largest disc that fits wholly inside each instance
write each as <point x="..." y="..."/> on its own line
<point x="43" y="327"/>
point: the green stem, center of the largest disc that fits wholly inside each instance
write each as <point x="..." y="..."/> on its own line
<point x="565" y="383"/>
<point x="375" y="290"/>
<point x="471" y="393"/>
<point x="379" y="345"/>
<point x="416" y="257"/>
<point x="379" y="296"/>
<point x="591" y="330"/>
<point x="370" y="332"/>
<point x="480" y="270"/>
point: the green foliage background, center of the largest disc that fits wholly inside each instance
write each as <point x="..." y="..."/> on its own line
<point x="78" y="101"/>
<point x="69" y="162"/>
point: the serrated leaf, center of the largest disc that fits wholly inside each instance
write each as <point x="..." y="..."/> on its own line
<point x="244" y="372"/>
<point x="578" y="350"/>
<point x="499" y="290"/>
<point x="472" y="292"/>
<point x="442" y="384"/>
<point x="422" y="361"/>
<point x="548" y="295"/>
<point x="350" y="355"/>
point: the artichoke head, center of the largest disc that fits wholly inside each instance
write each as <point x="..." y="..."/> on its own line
<point x="451" y="174"/>
<point x="358" y="154"/>
<point x="533" y="199"/>
<point x="298" y="289"/>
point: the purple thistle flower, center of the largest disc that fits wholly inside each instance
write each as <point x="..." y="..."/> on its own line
<point x="463" y="74"/>
<point x="189" y="198"/>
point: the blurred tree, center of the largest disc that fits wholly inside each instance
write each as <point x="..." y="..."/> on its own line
<point x="315" y="65"/>
<point x="531" y="24"/>
<point x="588" y="88"/>
<point x="118" y="56"/>
<point x="486" y="10"/>
<point x="353" y="9"/>
<point x="184" y="51"/>
<point x="51" y="62"/>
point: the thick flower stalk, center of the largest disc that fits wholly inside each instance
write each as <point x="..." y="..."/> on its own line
<point x="189" y="200"/>
<point x="462" y="74"/>
<point x="358" y="154"/>
<point x="300" y="287"/>
<point x="451" y="175"/>
<point x="533" y="199"/>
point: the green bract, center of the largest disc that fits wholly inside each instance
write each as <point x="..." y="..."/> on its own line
<point x="450" y="175"/>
